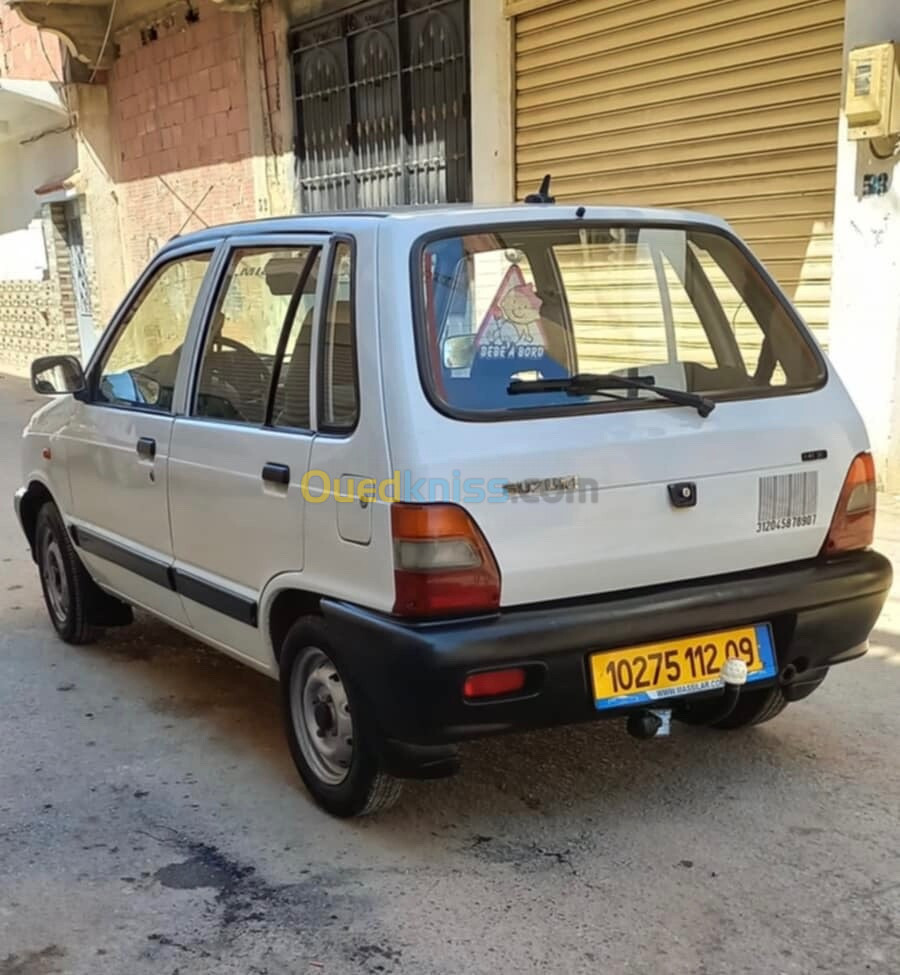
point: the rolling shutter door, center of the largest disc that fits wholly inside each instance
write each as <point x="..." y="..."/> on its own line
<point x="726" y="106"/>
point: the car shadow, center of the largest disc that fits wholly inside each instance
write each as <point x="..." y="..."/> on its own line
<point x="592" y="773"/>
<point x="179" y="680"/>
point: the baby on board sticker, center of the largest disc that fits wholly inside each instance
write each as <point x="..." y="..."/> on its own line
<point x="512" y="327"/>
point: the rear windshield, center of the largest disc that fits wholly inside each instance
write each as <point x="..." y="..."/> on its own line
<point x="683" y="308"/>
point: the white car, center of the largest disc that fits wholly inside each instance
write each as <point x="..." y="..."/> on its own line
<point x="453" y="472"/>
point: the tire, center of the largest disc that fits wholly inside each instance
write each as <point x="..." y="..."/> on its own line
<point x="753" y="708"/>
<point x="68" y="589"/>
<point x="330" y="729"/>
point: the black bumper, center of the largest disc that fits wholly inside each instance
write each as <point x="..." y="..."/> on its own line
<point x="821" y="612"/>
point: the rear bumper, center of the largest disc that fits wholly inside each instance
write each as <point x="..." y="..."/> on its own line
<point x="821" y="612"/>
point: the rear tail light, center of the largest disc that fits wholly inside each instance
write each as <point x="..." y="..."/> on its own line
<point x="853" y="524"/>
<point x="442" y="563"/>
<point x="494" y="683"/>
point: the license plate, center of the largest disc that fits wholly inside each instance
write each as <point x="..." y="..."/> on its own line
<point x="687" y="665"/>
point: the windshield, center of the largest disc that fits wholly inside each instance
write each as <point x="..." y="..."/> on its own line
<point x="685" y="309"/>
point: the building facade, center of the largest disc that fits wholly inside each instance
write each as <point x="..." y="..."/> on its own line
<point x="39" y="244"/>
<point x="197" y="112"/>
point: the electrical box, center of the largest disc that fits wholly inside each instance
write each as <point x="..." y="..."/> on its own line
<point x="873" y="92"/>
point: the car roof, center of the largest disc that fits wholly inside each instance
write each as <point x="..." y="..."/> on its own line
<point x="433" y="217"/>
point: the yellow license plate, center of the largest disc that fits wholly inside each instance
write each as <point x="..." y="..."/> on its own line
<point x="686" y="665"/>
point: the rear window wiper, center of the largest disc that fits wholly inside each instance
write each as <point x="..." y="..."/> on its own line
<point x="586" y="383"/>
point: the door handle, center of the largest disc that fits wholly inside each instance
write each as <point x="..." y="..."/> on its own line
<point x="277" y="474"/>
<point x="146" y="447"/>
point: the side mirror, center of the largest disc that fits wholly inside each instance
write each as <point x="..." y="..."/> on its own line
<point x="458" y="351"/>
<point x="55" y="375"/>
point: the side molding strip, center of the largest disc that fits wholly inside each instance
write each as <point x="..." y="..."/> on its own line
<point x="227" y="603"/>
<point x="140" y="565"/>
<point x="213" y="597"/>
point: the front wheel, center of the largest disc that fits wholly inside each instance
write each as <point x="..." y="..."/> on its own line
<point x="66" y="585"/>
<point x="332" y="736"/>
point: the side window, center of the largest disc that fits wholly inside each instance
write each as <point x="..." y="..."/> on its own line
<point x="140" y="367"/>
<point x="291" y="407"/>
<point x="339" y="398"/>
<point x="242" y="343"/>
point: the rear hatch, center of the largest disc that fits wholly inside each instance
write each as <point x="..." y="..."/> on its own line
<point x="581" y="488"/>
<point x="595" y="502"/>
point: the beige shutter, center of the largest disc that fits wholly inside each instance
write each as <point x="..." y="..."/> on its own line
<point x="727" y="106"/>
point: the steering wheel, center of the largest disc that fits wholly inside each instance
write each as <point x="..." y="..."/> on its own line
<point x="248" y="374"/>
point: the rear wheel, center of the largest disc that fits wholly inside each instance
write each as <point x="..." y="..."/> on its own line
<point x="68" y="589"/>
<point x="755" y="707"/>
<point x="332" y="736"/>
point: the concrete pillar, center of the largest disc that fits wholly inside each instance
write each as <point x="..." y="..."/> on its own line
<point x="865" y="301"/>
<point x="268" y="76"/>
<point x="492" y="102"/>
<point x="96" y="183"/>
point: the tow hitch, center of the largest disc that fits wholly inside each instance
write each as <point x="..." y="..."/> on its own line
<point x="649" y="723"/>
<point x="645" y="725"/>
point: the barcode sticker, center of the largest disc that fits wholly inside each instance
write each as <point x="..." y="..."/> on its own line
<point x="788" y="501"/>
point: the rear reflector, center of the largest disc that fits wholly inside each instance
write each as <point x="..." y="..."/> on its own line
<point x="853" y="525"/>
<point x="494" y="683"/>
<point x="442" y="563"/>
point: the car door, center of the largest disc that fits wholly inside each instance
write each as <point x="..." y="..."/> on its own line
<point x="240" y="453"/>
<point x="117" y="442"/>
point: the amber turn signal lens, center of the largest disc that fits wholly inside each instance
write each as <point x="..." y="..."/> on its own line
<point x="853" y="524"/>
<point x="443" y="565"/>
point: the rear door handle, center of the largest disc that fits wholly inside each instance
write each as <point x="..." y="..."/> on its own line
<point x="146" y="447"/>
<point x="277" y="474"/>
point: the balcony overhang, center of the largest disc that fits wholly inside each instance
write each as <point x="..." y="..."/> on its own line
<point x="29" y="107"/>
<point x="80" y="25"/>
<point x="83" y="25"/>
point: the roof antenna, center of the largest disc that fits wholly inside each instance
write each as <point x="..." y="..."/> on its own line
<point x="543" y="194"/>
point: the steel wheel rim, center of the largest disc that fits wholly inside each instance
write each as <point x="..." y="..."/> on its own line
<point x="56" y="583"/>
<point x="320" y="714"/>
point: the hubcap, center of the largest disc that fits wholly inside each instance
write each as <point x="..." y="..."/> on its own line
<point x="56" y="584"/>
<point x="320" y="713"/>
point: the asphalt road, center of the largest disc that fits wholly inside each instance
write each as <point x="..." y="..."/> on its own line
<point x="151" y="821"/>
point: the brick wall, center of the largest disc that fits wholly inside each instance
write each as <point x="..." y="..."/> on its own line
<point x="61" y="273"/>
<point x="181" y="127"/>
<point x="31" y="314"/>
<point x="38" y="317"/>
<point x="21" y="56"/>
<point x="28" y="323"/>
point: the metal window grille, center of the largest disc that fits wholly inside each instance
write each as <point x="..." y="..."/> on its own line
<point x="382" y="101"/>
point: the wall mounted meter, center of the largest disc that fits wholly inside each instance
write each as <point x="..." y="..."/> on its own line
<point x="873" y="92"/>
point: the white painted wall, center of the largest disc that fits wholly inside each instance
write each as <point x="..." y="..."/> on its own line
<point x="23" y="256"/>
<point x="492" y="102"/>
<point x="865" y="302"/>
<point x="23" y="168"/>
